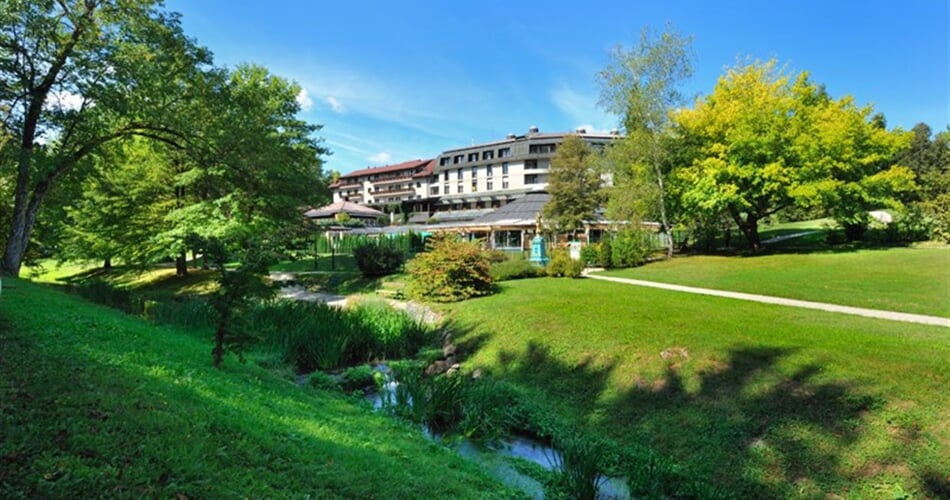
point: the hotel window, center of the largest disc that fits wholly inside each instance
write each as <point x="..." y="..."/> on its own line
<point x="504" y="183"/>
<point x="459" y="188"/>
<point x="474" y="173"/>
<point x="530" y="164"/>
<point x="445" y="175"/>
<point x="489" y="185"/>
<point x="473" y="157"/>
<point x="504" y="152"/>
<point x="458" y="174"/>
<point x="488" y="171"/>
<point x="504" y="168"/>
<point x="458" y="158"/>
<point x="445" y="188"/>
<point x="531" y="179"/>
<point x="444" y="161"/>
<point x="488" y="155"/>
<point x="434" y="190"/>
<point x="507" y="239"/>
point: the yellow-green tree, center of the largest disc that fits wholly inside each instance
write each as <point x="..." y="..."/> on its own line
<point x="764" y="141"/>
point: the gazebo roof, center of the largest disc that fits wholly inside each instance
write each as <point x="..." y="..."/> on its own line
<point x="347" y="207"/>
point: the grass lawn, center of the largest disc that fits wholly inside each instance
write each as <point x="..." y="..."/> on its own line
<point x="913" y="280"/>
<point x="94" y="403"/>
<point x="766" y="401"/>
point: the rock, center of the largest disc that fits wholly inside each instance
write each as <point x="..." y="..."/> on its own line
<point x="449" y="350"/>
<point x="477" y="373"/>
<point x="437" y="368"/>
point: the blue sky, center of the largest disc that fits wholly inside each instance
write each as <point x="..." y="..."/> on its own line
<point x="394" y="81"/>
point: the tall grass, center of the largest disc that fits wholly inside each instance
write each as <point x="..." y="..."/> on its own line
<point x="314" y="336"/>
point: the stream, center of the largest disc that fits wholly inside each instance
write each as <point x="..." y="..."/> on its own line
<point x="496" y="459"/>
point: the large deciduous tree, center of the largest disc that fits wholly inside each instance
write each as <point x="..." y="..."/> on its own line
<point x="575" y="185"/>
<point x="642" y="86"/>
<point x="763" y="141"/>
<point x="77" y="74"/>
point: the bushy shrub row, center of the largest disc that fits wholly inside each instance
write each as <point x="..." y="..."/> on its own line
<point x="514" y="267"/>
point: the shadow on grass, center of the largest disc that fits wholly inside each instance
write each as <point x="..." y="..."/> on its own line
<point x="749" y="427"/>
<point x="94" y="419"/>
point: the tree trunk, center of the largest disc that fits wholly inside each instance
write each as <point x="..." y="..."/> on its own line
<point x="181" y="265"/>
<point x="749" y="227"/>
<point x="107" y="265"/>
<point x="24" y="218"/>
<point x="663" y="218"/>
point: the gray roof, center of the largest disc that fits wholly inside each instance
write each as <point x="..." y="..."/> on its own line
<point x="521" y="212"/>
<point x="353" y="209"/>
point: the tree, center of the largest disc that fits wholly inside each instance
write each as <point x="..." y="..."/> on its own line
<point x="763" y="142"/>
<point x="928" y="156"/>
<point x="575" y="185"/>
<point x="642" y="86"/>
<point x="121" y="205"/>
<point x="75" y="75"/>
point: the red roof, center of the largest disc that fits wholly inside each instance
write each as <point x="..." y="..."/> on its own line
<point x="427" y="170"/>
<point x="406" y="165"/>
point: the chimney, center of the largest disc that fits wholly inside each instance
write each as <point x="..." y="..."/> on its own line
<point x="614" y="131"/>
<point x="533" y="129"/>
<point x="581" y="130"/>
<point x="511" y="136"/>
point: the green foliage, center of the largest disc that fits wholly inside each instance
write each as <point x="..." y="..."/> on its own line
<point x="357" y="377"/>
<point x="93" y="51"/>
<point x="581" y="466"/>
<point x="575" y="185"/>
<point x="378" y="259"/>
<point x="764" y="141"/>
<point x="630" y="248"/>
<point x="562" y="265"/>
<point x="323" y="381"/>
<point x="308" y="336"/>
<point x="642" y="85"/>
<point x="449" y="270"/>
<point x="393" y="333"/>
<point x="598" y="254"/>
<point x="513" y="268"/>
<point x="480" y="408"/>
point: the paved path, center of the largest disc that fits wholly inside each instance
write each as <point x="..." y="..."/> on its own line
<point x="821" y="306"/>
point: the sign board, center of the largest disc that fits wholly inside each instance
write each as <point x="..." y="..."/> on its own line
<point x="575" y="248"/>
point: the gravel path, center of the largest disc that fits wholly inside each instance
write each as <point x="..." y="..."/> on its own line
<point x="766" y="299"/>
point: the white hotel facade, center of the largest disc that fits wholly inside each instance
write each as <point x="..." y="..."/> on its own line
<point x="461" y="184"/>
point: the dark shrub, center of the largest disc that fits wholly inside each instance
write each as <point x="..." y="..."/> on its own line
<point x="378" y="259"/>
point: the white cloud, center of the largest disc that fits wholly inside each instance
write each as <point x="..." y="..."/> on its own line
<point x="304" y="100"/>
<point x="592" y="129"/>
<point x="65" y="100"/>
<point x="335" y="104"/>
<point x="382" y="157"/>
<point x="581" y="108"/>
